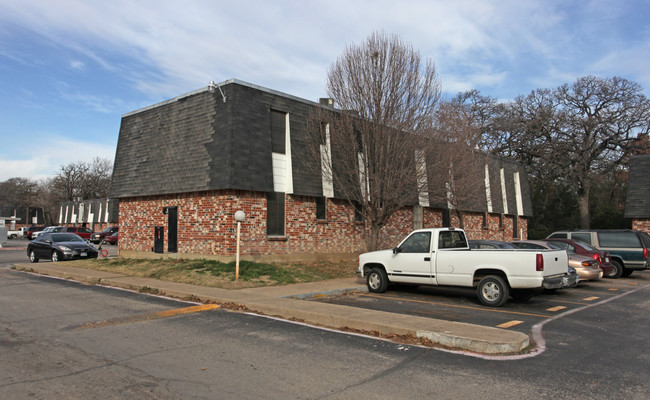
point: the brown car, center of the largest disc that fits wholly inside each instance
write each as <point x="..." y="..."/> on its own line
<point x="586" y="267"/>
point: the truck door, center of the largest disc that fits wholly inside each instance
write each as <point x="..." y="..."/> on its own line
<point x="411" y="261"/>
<point x="452" y="267"/>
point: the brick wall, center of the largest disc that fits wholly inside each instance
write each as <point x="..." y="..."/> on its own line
<point x="641" y="225"/>
<point x="206" y="225"/>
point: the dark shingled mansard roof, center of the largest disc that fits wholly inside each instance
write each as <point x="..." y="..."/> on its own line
<point x="197" y="142"/>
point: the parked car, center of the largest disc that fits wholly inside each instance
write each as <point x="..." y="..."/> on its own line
<point x="79" y="230"/>
<point x="627" y="248"/>
<point x="98" y="236"/>
<point x="60" y="246"/>
<point x="15" y="234"/>
<point x="489" y="244"/>
<point x="29" y="231"/>
<point x="111" y="239"/>
<point x="49" y="229"/>
<point x="586" y="267"/>
<point x="584" y="249"/>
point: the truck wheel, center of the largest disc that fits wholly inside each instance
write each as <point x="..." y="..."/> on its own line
<point x="493" y="291"/>
<point x="32" y="257"/>
<point x="377" y="280"/>
<point x="618" y="270"/>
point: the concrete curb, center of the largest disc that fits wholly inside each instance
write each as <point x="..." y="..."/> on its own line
<point x="288" y="302"/>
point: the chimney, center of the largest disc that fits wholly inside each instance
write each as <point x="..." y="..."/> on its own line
<point x="326" y="101"/>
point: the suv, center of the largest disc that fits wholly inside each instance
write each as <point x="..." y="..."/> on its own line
<point x="99" y="236"/>
<point x="628" y="249"/>
<point x="79" y="230"/>
<point x="29" y="231"/>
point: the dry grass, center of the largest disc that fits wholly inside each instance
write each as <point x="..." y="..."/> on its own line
<point x="222" y="275"/>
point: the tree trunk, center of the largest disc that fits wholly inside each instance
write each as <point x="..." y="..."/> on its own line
<point x="374" y="238"/>
<point x="583" y="204"/>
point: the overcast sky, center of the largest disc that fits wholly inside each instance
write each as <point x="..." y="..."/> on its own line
<point x="70" y="69"/>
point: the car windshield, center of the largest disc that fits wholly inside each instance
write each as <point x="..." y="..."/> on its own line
<point x="66" y="237"/>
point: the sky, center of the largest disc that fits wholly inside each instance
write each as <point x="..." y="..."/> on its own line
<point x="69" y="69"/>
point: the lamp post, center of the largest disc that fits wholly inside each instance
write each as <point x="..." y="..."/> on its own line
<point x="239" y="217"/>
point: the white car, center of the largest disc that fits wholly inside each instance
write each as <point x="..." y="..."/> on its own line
<point x="46" y="230"/>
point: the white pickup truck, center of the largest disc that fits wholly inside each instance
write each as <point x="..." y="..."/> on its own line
<point x="441" y="256"/>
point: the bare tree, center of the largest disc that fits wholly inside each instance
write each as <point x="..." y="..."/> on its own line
<point x="577" y="132"/>
<point x="83" y="180"/>
<point x="456" y="162"/>
<point x="387" y="97"/>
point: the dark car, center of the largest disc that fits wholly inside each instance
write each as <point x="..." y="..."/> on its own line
<point x="30" y="230"/>
<point x="60" y="246"/>
<point x="489" y="244"/>
<point x="584" y="249"/>
<point x="99" y="236"/>
<point x="79" y="230"/>
<point x="111" y="239"/>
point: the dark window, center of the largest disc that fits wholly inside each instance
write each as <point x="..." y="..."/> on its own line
<point x="619" y="239"/>
<point x="500" y="221"/>
<point x="275" y="214"/>
<point x="278" y="131"/>
<point x="485" y="220"/>
<point x="515" y="227"/>
<point x="419" y="242"/>
<point x="446" y="219"/>
<point x="321" y="208"/>
<point x="558" y="236"/>
<point x="358" y="212"/>
<point x="323" y="132"/>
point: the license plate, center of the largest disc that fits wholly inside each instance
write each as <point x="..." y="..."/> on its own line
<point x="84" y="254"/>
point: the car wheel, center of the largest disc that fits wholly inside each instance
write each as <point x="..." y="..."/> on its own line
<point x="55" y="256"/>
<point x="627" y="272"/>
<point x="493" y="291"/>
<point x="32" y="257"/>
<point x="617" y="272"/>
<point x="377" y="280"/>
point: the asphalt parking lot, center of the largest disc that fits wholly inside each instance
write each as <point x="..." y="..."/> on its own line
<point x="462" y="305"/>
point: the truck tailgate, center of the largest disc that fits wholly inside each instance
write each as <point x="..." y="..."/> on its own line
<point x="556" y="262"/>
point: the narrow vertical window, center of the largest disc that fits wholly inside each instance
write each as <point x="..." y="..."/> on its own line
<point x="515" y="226"/>
<point x="275" y="214"/>
<point x="358" y="212"/>
<point x="446" y="218"/>
<point x="485" y="220"/>
<point x="278" y="131"/>
<point x="321" y="208"/>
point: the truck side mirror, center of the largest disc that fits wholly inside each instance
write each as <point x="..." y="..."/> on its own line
<point x="397" y="250"/>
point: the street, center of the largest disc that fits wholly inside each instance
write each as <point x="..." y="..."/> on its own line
<point x="62" y="339"/>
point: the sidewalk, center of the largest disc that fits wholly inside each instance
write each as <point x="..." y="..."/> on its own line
<point x="286" y="302"/>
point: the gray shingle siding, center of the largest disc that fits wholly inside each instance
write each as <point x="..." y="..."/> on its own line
<point x="637" y="204"/>
<point x="196" y="142"/>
